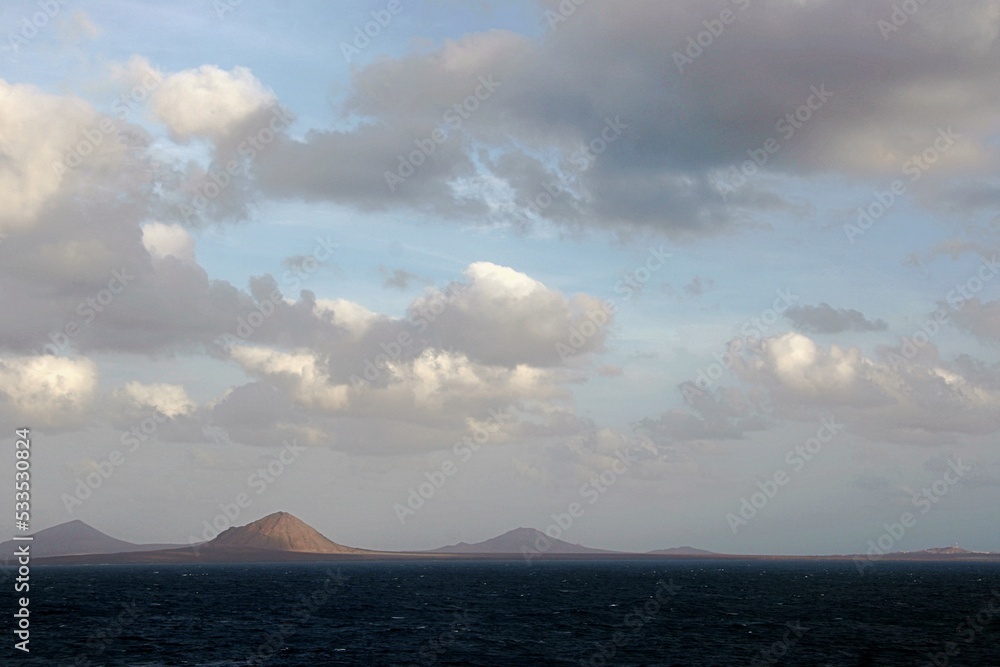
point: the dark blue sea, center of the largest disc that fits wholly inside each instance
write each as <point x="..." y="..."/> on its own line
<point x="677" y="612"/>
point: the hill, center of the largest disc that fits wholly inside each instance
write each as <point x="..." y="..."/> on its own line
<point x="76" y="538"/>
<point x="279" y="532"/>
<point x="517" y="540"/>
<point x="948" y="551"/>
<point x="278" y="537"/>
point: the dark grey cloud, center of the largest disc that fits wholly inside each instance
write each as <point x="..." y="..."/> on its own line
<point x="978" y="371"/>
<point x="825" y="319"/>
<point x="972" y="197"/>
<point x="876" y="102"/>
<point x="398" y="278"/>
<point x="981" y="318"/>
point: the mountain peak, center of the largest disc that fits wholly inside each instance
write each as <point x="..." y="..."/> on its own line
<point x="279" y="531"/>
<point x="681" y="551"/>
<point x="519" y="541"/>
<point x="75" y="537"/>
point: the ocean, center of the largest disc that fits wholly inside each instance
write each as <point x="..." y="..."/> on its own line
<point x="657" y="612"/>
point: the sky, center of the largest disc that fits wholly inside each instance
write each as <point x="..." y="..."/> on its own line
<point x="638" y="274"/>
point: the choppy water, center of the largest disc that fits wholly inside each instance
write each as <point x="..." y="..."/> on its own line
<point x="507" y="613"/>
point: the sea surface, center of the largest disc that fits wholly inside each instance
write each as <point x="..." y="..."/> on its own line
<point x="676" y="612"/>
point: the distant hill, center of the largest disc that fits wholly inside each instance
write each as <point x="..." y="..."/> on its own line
<point x="955" y="551"/>
<point x="281" y="537"/>
<point x="278" y="537"/>
<point x="682" y="551"/>
<point x="279" y="532"/>
<point x="76" y="537"/>
<point x="950" y="551"/>
<point x="512" y="542"/>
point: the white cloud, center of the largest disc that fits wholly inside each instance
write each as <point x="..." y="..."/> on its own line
<point x="167" y="399"/>
<point x="905" y="398"/>
<point x="46" y="391"/>
<point x="300" y="374"/>
<point x="354" y="317"/>
<point x="162" y="240"/>
<point x="502" y="316"/>
<point x="801" y="366"/>
<point x="429" y="401"/>
<point x="209" y="102"/>
<point x="50" y="141"/>
<point x="438" y="379"/>
<point x="137" y="76"/>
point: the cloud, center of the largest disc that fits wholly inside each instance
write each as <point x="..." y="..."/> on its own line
<point x="893" y="398"/>
<point x="162" y="241"/>
<point x="981" y="318"/>
<point x="209" y="102"/>
<point x="135" y="401"/>
<point x="725" y="414"/>
<point x="796" y="363"/>
<point x="502" y="316"/>
<point x="353" y="317"/>
<point x="398" y="279"/>
<point x="586" y="451"/>
<point x="46" y="392"/>
<point x="87" y="271"/>
<point x="971" y="198"/>
<point x="55" y="135"/>
<point x="78" y="27"/>
<point x="698" y="286"/>
<point x="427" y="402"/>
<point x="135" y="73"/>
<point x="303" y="264"/>
<point x="584" y="116"/>
<point x="301" y="375"/>
<point x="881" y="102"/>
<point x="825" y="319"/>
<point x="168" y="399"/>
<point x="326" y="370"/>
